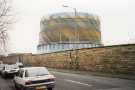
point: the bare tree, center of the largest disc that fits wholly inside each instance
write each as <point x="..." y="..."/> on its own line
<point x="5" y="21"/>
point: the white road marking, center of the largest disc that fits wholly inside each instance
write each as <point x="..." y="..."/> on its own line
<point x="78" y="82"/>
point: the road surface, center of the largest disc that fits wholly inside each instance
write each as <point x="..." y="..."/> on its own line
<point x="66" y="81"/>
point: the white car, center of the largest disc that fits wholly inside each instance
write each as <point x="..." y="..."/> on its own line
<point x="9" y="70"/>
<point x="19" y="64"/>
<point x="34" y="78"/>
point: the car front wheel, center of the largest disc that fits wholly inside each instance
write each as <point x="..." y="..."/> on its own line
<point x="49" y="89"/>
<point x="3" y="75"/>
<point x="16" y="87"/>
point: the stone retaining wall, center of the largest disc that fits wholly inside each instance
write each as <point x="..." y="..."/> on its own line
<point x="117" y="59"/>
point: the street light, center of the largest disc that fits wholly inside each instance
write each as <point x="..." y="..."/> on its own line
<point x="75" y="11"/>
<point x="76" y="28"/>
<point x="76" y="38"/>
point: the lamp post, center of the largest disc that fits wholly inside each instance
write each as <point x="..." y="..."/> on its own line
<point x="76" y="38"/>
<point x="75" y="10"/>
<point x="76" y="28"/>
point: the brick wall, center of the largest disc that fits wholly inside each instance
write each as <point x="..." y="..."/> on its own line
<point x="118" y="59"/>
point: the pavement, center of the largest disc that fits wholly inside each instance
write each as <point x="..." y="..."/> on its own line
<point x="71" y="81"/>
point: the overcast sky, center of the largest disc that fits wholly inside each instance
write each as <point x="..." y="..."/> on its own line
<point x="117" y="20"/>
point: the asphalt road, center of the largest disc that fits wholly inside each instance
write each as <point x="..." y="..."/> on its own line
<point x="66" y="81"/>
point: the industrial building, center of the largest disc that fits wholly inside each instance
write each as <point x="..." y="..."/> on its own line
<point x="66" y="31"/>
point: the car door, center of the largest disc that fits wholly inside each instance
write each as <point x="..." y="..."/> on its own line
<point x="19" y="77"/>
<point x="3" y="70"/>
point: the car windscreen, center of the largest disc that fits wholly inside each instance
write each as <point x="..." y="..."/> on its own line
<point x="11" y="67"/>
<point x="36" y="72"/>
<point x="1" y="65"/>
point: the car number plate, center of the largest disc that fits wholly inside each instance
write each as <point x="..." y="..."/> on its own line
<point x="40" y="87"/>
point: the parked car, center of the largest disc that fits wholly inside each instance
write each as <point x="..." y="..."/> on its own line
<point x="19" y="64"/>
<point x="34" y="78"/>
<point x="9" y="70"/>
